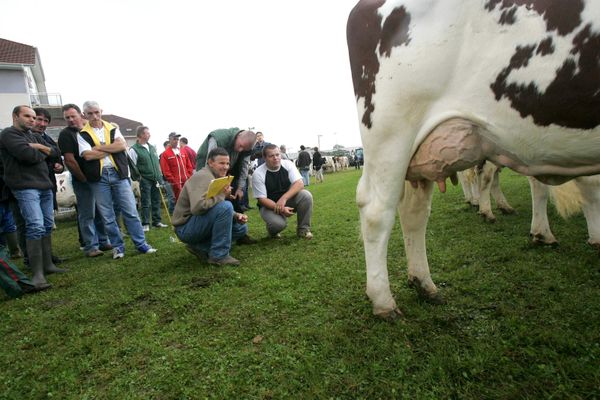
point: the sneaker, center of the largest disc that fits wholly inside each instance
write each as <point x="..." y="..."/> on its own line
<point x="227" y="260"/>
<point x="146" y="228"/>
<point x="305" y="235"/>
<point x="118" y="252"/>
<point x="94" y="253"/>
<point x="246" y="240"/>
<point x="146" y="249"/>
<point x="200" y="255"/>
<point x="160" y="225"/>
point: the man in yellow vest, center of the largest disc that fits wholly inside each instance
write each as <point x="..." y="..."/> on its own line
<point x="103" y="148"/>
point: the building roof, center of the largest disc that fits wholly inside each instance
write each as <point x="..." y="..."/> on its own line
<point x="126" y="126"/>
<point x="16" y="53"/>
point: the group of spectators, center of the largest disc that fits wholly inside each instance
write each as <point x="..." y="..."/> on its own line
<point x="96" y="154"/>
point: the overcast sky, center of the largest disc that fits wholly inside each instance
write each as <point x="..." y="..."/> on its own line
<point x="195" y="66"/>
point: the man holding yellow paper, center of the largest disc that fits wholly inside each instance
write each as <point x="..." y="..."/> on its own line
<point x="206" y="223"/>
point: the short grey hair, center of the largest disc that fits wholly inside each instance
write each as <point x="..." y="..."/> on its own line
<point x="90" y="104"/>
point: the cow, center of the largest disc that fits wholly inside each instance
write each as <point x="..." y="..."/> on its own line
<point x="443" y="85"/>
<point x="479" y="185"/>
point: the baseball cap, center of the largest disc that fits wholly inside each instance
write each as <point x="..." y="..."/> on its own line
<point x="174" y="135"/>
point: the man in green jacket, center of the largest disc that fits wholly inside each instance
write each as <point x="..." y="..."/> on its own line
<point x="145" y="158"/>
<point x="239" y="144"/>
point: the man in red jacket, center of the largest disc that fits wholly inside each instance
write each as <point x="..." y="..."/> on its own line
<point x="175" y="165"/>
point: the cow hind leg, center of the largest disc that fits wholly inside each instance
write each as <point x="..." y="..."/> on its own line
<point x="414" y="211"/>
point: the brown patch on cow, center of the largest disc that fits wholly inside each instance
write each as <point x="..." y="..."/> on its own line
<point x="364" y="34"/>
<point x="508" y="17"/>
<point x="572" y="99"/>
<point x="545" y="47"/>
<point x="564" y="16"/>
<point x="395" y="31"/>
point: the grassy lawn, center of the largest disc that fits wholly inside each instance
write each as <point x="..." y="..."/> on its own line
<point x="293" y="321"/>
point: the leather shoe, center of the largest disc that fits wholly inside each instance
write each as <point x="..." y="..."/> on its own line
<point x="246" y="240"/>
<point x="227" y="260"/>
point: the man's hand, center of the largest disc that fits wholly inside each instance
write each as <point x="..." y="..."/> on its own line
<point x="241" y="218"/>
<point x="58" y="168"/>
<point x="44" y="149"/>
<point x="227" y="191"/>
<point x="239" y="194"/>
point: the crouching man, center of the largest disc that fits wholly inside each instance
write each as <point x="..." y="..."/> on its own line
<point x="279" y="189"/>
<point x="209" y="225"/>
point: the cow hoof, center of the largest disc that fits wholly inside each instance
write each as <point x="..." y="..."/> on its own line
<point x="541" y="240"/>
<point x="488" y="219"/>
<point x="391" y="316"/>
<point x="507" y="211"/>
<point x="432" y="297"/>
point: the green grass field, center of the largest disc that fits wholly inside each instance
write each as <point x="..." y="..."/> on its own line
<point x="293" y="321"/>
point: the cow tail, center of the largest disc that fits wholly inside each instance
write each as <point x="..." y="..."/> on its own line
<point x="567" y="199"/>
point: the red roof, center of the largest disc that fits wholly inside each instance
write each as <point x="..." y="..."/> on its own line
<point x="16" y="53"/>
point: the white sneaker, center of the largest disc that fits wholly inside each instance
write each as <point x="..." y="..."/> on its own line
<point x="146" y="228"/>
<point x="160" y="225"/>
<point x="118" y="252"/>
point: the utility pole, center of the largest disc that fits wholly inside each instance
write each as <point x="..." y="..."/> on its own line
<point x="319" y="140"/>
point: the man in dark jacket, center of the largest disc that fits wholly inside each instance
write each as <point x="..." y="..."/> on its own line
<point x="303" y="164"/>
<point x="239" y="144"/>
<point x="146" y="159"/>
<point x="26" y="175"/>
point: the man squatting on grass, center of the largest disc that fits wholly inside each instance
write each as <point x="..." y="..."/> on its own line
<point x="279" y="189"/>
<point x="209" y="225"/>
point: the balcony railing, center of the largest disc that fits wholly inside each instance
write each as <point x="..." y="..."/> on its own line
<point x="45" y="99"/>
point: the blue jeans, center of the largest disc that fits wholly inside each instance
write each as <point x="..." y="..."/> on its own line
<point x="7" y="222"/>
<point x="111" y="189"/>
<point x="170" y="195"/>
<point x="90" y="222"/>
<point x="305" y="176"/>
<point x="150" y="197"/>
<point x="212" y="232"/>
<point x="37" y="209"/>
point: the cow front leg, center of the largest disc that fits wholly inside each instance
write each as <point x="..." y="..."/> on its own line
<point x="414" y="211"/>
<point x="497" y="194"/>
<point x="589" y="186"/>
<point x="485" y="180"/>
<point x="540" y="227"/>
<point x="377" y="205"/>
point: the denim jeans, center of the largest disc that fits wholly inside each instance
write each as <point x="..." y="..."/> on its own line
<point x="90" y="222"/>
<point x="305" y="176"/>
<point x="37" y="209"/>
<point x="111" y="189"/>
<point x="212" y="232"/>
<point x="7" y="222"/>
<point x="150" y="197"/>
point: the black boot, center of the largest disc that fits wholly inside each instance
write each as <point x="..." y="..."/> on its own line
<point x="49" y="267"/>
<point x="13" y="245"/>
<point x="36" y="262"/>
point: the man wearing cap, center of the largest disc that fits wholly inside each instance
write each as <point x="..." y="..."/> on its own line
<point x="239" y="144"/>
<point x="175" y="165"/>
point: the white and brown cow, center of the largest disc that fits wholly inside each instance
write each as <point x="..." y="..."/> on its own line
<point x="442" y="85"/>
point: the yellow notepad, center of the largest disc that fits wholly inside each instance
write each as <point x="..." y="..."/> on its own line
<point x="217" y="185"/>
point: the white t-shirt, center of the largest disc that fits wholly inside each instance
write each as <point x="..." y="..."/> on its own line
<point x="85" y="146"/>
<point x="259" y="190"/>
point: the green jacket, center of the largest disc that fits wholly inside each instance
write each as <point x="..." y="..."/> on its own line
<point x="225" y="139"/>
<point x="147" y="162"/>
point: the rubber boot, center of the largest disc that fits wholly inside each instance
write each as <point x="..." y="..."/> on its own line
<point x="13" y="245"/>
<point x="36" y="262"/>
<point x="49" y="267"/>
